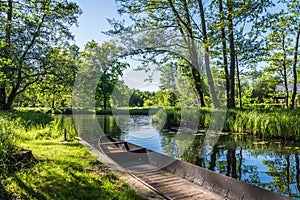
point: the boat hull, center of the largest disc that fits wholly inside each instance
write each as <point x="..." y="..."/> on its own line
<point x="140" y="161"/>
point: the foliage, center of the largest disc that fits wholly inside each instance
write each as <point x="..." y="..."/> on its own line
<point x="274" y="123"/>
<point x="166" y="98"/>
<point x="100" y="68"/>
<point x="27" y="118"/>
<point x="54" y="89"/>
<point x="30" y="32"/>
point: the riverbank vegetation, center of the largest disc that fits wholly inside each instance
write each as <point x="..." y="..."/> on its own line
<point x="269" y="124"/>
<point x="36" y="164"/>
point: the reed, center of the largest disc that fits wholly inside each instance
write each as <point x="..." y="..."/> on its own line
<point x="267" y="123"/>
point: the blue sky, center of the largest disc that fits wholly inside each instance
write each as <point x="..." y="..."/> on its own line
<point x="93" y="20"/>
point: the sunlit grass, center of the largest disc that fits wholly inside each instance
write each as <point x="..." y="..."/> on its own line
<point x="64" y="171"/>
<point x="56" y="171"/>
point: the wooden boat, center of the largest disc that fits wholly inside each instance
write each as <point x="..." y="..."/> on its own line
<point x="176" y="179"/>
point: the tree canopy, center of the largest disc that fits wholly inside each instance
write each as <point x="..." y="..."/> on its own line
<point x="30" y="33"/>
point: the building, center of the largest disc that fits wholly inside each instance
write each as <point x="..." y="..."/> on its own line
<point x="281" y="88"/>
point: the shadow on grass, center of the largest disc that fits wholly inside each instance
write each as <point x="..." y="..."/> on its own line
<point x="3" y="193"/>
<point x="70" y="143"/>
<point x="28" y="117"/>
<point x="70" y="176"/>
<point x="73" y="184"/>
<point x="29" y="190"/>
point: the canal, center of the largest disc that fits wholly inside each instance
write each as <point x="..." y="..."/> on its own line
<point x="273" y="165"/>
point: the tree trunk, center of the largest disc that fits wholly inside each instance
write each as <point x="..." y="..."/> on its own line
<point x="198" y="86"/>
<point x="228" y="165"/>
<point x="240" y="163"/>
<point x="11" y="98"/>
<point x="186" y="31"/>
<point x="239" y="83"/>
<point x="104" y="101"/>
<point x="213" y="159"/>
<point x="224" y="53"/>
<point x="211" y="84"/>
<point x="297" y="171"/>
<point x="52" y="103"/>
<point x="232" y="55"/>
<point x="233" y="163"/>
<point x="2" y="97"/>
<point x="284" y="71"/>
<point x="295" y="76"/>
<point x="198" y="80"/>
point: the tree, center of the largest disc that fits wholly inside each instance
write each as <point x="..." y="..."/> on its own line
<point x="231" y="53"/>
<point x="211" y="84"/>
<point x="228" y="27"/>
<point x="29" y="31"/>
<point x="166" y="98"/>
<point x="279" y="48"/>
<point x="121" y="94"/>
<point x="168" y="76"/>
<point x="224" y="51"/>
<point x="136" y="99"/>
<point x="293" y="7"/>
<point x="105" y="60"/>
<point x="172" y="16"/>
<point x="58" y="84"/>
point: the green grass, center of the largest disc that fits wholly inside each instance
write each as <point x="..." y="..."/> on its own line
<point x="56" y="171"/>
<point x="63" y="171"/>
<point x="8" y="144"/>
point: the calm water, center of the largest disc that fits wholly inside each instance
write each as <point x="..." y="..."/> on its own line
<point x="270" y="165"/>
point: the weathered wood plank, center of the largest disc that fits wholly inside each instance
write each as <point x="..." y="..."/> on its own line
<point x="176" y="187"/>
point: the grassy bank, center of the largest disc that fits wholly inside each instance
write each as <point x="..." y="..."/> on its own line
<point x="53" y="170"/>
<point x="268" y="123"/>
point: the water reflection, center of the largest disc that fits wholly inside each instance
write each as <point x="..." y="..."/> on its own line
<point x="270" y="165"/>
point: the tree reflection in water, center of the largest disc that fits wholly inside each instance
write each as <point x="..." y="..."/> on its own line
<point x="265" y="164"/>
<point x="273" y="165"/>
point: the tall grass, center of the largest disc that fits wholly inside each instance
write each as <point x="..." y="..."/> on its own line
<point x="267" y="123"/>
<point x="61" y="125"/>
<point x="8" y="144"/>
<point x="279" y="123"/>
<point x="25" y="125"/>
